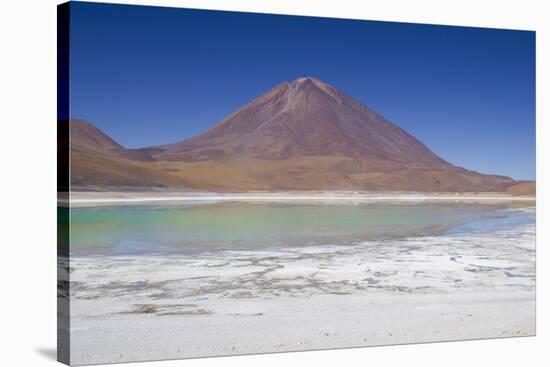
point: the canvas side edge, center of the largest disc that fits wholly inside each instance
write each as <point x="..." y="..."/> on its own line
<point x="63" y="183"/>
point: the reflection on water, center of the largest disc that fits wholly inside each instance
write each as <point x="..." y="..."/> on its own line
<point x="238" y="226"/>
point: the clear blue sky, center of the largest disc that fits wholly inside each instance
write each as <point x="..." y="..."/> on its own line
<point x="149" y="76"/>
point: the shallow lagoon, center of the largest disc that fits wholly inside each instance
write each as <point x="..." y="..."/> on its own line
<point x="192" y="229"/>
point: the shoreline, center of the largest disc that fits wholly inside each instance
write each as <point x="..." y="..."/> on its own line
<point x="108" y="198"/>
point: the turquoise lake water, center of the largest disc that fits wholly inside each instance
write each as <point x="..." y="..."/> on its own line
<point x="192" y="229"/>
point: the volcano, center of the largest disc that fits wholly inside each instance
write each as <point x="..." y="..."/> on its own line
<point x="304" y="118"/>
<point x="302" y="135"/>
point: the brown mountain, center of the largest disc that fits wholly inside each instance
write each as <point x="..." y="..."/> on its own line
<point x="86" y="136"/>
<point x="303" y="135"/>
<point x="97" y="161"/>
<point x="526" y="188"/>
<point x="304" y="118"/>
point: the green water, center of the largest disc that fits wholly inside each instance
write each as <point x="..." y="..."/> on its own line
<point x="235" y="226"/>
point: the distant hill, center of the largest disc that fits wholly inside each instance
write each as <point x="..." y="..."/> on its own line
<point x="98" y="161"/>
<point x="526" y="188"/>
<point x="303" y="135"/>
<point x="87" y="136"/>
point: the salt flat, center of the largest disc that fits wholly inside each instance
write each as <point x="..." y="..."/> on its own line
<point x="88" y="198"/>
<point x="293" y="324"/>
